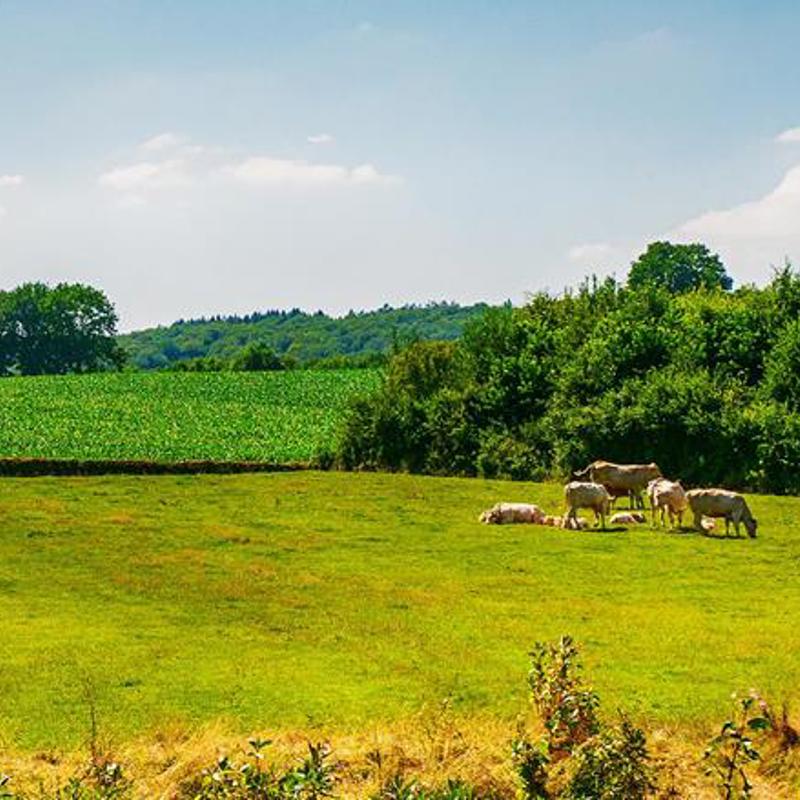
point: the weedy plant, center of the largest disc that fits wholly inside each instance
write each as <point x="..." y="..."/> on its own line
<point x="397" y="788"/>
<point x="312" y="779"/>
<point x="566" y="705"/>
<point x="580" y="757"/>
<point x="733" y="748"/>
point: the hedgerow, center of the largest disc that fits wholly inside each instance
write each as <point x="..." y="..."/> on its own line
<point x="704" y="382"/>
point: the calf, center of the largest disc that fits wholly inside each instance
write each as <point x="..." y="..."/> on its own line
<point x="627" y="518"/>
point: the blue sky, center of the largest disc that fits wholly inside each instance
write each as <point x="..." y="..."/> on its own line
<point x="202" y="157"/>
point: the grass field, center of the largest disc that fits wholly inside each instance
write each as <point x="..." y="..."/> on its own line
<point x="276" y="417"/>
<point x="344" y="599"/>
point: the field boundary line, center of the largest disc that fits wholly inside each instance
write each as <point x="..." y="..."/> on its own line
<point x="39" y="467"/>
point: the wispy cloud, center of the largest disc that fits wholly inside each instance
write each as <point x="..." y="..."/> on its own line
<point x="790" y="136"/>
<point x="590" y="253"/>
<point x="146" y="175"/>
<point x="266" y="171"/>
<point x="320" y="138"/>
<point x="175" y="163"/>
<point x="162" y="141"/>
<point x="11" y="180"/>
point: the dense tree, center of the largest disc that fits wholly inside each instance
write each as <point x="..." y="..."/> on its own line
<point x="679" y="268"/>
<point x="256" y="357"/>
<point x="59" y="329"/>
<point x="357" y="337"/>
<point x="704" y="382"/>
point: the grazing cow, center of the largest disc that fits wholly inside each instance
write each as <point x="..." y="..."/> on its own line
<point x="506" y="513"/>
<point x="586" y="495"/>
<point x="627" y="518"/>
<point x="720" y="503"/>
<point x="668" y="496"/>
<point x="630" y="478"/>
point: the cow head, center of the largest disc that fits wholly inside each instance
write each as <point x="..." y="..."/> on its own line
<point x="751" y="526"/>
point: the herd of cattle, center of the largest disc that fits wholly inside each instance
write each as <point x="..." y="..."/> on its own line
<point x="602" y="482"/>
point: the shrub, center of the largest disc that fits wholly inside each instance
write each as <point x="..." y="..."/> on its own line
<point x="613" y="765"/>
<point x="566" y="705"/>
<point x="312" y="779"/>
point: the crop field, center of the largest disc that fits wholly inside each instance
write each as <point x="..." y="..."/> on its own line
<point x="274" y="417"/>
<point x="342" y="600"/>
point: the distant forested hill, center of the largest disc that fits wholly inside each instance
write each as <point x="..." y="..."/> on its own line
<point x="302" y="336"/>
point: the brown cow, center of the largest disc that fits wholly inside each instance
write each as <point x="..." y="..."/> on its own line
<point x="617" y="478"/>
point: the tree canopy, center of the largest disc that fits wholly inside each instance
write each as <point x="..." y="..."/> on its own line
<point x="679" y="268"/>
<point x="307" y="339"/>
<point x="58" y="329"/>
<point x="703" y="382"/>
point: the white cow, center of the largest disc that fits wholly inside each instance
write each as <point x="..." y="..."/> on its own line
<point x="579" y="494"/>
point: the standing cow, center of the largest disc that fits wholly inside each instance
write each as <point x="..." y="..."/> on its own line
<point x="667" y="496"/>
<point x="621" y="478"/>
<point x="721" y="503"/>
<point x="579" y="494"/>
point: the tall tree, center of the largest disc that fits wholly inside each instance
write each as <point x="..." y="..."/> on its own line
<point x="55" y="330"/>
<point x="679" y="268"/>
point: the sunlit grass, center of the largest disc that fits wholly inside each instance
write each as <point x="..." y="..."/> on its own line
<point x="340" y="599"/>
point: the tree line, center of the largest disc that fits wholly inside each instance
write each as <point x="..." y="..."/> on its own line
<point x="671" y="366"/>
<point x="296" y="337"/>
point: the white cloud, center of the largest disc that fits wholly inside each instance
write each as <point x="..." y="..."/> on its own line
<point x="163" y="141"/>
<point x="146" y="175"/>
<point x="11" y="180"/>
<point x="790" y="136"/>
<point x="590" y="253"/>
<point x="774" y="216"/>
<point x="3" y="212"/>
<point x="320" y="138"/>
<point x="266" y="171"/>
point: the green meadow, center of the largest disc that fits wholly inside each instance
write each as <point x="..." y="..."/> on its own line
<point x="282" y="600"/>
<point x="244" y="416"/>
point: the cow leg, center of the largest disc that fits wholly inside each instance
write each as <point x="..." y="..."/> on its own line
<point x="698" y="522"/>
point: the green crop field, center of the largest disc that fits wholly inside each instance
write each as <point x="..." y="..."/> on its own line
<point x="277" y="416"/>
<point x="296" y="599"/>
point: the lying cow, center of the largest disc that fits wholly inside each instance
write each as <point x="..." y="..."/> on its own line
<point x="508" y="513"/>
<point x="720" y="503"/>
<point x="667" y="496"/>
<point x="621" y="478"/>
<point x="627" y="518"/>
<point x="580" y="494"/>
